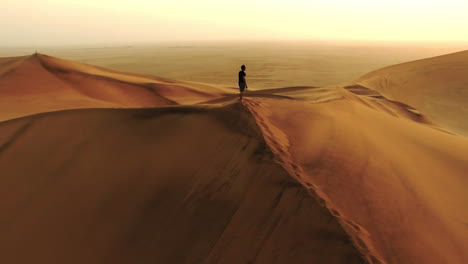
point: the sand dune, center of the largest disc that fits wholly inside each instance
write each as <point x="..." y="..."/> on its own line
<point x="39" y="83"/>
<point x="436" y="86"/>
<point x="398" y="187"/>
<point x="293" y="175"/>
<point x="172" y="185"/>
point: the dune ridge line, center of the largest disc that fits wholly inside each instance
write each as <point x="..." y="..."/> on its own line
<point x="278" y="143"/>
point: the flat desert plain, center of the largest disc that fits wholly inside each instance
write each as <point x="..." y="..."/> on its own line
<point x="269" y="64"/>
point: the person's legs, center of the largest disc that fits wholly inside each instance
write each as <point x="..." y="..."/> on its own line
<point x="241" y="88"/>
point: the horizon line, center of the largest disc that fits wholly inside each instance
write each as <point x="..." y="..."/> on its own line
<point x="115" y="44"/>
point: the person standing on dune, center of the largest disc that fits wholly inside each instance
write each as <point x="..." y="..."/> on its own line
<point x="242" y="81"/>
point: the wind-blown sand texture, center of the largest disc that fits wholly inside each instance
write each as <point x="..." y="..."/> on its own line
<point x="99" y="166"/>
<point x="436" y="86"/>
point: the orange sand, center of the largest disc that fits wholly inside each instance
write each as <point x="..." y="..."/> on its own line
<point x="39" y="83"/>
<point x="184" y="173"/>
<point x="435" y="86"/>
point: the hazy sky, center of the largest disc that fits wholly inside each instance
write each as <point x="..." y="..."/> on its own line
<point x="43" y="22"/>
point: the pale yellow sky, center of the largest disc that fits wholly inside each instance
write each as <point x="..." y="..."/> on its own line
<point x="44" y="22"/>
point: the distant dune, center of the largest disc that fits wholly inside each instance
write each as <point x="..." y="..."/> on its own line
<point x="191" y="175"/>
<point x="39" y="83"/>
<point x="436" y="86"/>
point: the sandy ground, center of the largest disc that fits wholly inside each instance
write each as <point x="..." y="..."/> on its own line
<point x="130" y="168"/>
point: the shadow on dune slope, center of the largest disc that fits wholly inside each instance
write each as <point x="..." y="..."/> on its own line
<point x="166" y="185"/>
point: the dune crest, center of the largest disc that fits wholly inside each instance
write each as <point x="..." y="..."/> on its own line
<point x="40" y="83"/>
<point x="397" y="208"/>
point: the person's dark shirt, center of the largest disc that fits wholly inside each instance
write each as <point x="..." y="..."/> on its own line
<point x="241" y="76"/>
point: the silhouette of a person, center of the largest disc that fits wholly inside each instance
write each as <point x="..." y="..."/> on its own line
<point x="242" y="81"/>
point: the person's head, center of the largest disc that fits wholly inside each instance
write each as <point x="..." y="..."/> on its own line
<point x="243" y="67"/>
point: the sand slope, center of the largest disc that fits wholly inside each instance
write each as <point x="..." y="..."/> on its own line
<point x="172" y="185"/>
<point x="436" y="86"/>
<point x="40" y="83"/>
<point x="398" y="187"/>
